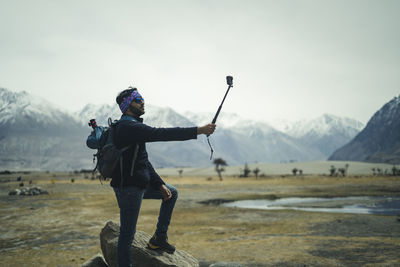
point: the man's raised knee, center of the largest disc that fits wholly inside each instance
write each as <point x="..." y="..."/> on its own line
<point x="174" y="192"/>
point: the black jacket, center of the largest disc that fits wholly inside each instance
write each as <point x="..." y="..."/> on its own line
<point x="130" y="132"/>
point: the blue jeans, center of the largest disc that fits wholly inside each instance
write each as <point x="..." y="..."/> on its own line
<point x="129" y="202"/>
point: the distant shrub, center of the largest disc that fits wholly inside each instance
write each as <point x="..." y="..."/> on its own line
<point x="219" y="166"/>
<point x="256" y="171"/>
<point x="332" y="171"/>
<point x="246" y="171"/>
<point x="395" y="171"/>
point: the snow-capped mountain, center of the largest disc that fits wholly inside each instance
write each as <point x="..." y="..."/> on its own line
<point x="254" y="140"/>
<point x="155" y="116"/>
<point x="99" y="112"/>
<point x="322" y="135"/>
<point x="325" y="133"/>
<point x="24" y="110"/>
<point x="233" y="122"/>
<point x="326" y="124"/>
<point x="225" y="120"/>
<point x="379" y="141"/>
<point x="35" y="134"/>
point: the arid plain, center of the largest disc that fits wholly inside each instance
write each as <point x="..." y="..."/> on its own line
<point x="62" y="228"/>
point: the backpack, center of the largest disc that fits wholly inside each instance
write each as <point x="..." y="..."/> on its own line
<point x="108" y="155"/>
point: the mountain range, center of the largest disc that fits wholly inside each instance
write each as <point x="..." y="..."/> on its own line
<point x="37" y="135"/>
<point x="379" y="141"/>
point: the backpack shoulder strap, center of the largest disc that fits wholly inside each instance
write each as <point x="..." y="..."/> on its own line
<point x="135" y="152"/>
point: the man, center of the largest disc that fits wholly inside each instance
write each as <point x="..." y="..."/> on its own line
<point x="139" y="179"/>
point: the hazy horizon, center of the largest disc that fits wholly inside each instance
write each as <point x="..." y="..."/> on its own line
<point x="278" y="122"/>
<point x="289" y="59"/>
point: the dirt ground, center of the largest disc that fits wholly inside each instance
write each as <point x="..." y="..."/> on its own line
<point x="62" y="228"/>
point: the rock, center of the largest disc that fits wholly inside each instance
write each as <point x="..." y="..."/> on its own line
<point x="204" y="263"/>
<point x="141" y="256"/>
<point x="96" y="261"/>
<point x="28" y="191"/>
<point x="14" y="192"/>
<point x="226" y="264"/>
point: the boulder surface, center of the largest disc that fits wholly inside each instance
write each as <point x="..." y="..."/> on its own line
<point x="95" y="261"/>
<point x="141" y="256"/>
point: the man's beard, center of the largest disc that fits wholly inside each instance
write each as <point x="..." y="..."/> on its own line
<point x="136" y="111"/>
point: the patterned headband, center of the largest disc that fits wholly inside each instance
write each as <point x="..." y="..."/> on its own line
<point x="126" y="102"/>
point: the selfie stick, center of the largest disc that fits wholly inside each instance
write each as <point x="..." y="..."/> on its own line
<point x="229" y="81"/>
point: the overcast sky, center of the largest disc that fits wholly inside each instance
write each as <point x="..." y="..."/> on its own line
<point x="289" y="59"/>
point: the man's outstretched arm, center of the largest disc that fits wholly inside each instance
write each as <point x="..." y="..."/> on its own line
<point x="140" y="132"/>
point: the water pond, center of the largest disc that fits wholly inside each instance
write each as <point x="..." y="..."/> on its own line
<point x="360" y="205"/>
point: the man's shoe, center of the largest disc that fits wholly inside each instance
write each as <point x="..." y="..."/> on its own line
<point x="160" y="242"/>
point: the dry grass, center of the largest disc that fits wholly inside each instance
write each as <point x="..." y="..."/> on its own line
<point x="62" y="228"/>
